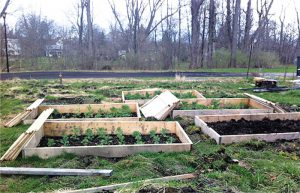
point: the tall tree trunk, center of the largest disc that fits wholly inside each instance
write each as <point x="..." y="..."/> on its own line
<point x="248" y="25"/>
<point x="228" y="24"/>
<point x="235" y="34"/>
<point x="195" y="10"/>
<point x="179" y="32"/>
<point x="203" y="38"/>
<point x="211" y="33"/>
<point x="91" y="50"/>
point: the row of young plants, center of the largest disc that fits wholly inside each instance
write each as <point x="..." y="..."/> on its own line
<point x="148" y="95"/>
<point x="101" y="137"/>
<point x="124" y="111"/>
<point x="136" y="96"/>
<point x="215" y="104"/>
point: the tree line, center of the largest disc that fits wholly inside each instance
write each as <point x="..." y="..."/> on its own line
<point x="162" y="34"/>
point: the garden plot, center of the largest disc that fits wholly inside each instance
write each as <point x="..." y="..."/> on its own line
<point x="106" y="138"/>
<point x="143" y="96"/>
<point x="226" y="129"/>
<point x="220" y="106"/>
<point x="104" y="112"/>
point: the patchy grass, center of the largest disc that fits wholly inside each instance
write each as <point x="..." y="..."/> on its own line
<point x="262" y="167"/>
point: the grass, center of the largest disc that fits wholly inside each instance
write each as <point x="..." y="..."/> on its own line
<point x="263" y="167"/>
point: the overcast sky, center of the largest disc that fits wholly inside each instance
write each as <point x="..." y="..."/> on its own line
<point x="63" y="11"/>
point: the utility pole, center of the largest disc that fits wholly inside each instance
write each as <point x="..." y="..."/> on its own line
<point x="5" y="40"/>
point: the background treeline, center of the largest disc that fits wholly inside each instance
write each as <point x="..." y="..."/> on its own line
<point x="160" y="34"/>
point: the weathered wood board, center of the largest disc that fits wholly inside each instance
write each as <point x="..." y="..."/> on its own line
<point x="201" y="121"/>
<point x="58" y="128"/>
<point x="152" y="92"/>
<point x="83" y="108"/>
<point x="255" y="107"/>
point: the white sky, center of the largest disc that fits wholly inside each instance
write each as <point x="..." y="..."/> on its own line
<point x="63" y="11"/>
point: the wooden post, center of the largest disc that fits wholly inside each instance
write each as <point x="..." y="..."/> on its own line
<point x="249" y="62"/>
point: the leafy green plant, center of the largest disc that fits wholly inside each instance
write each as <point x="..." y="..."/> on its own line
<point x="85" y="141"/>
<point x="120" y="136"/>
<point x="155" y="138"/>
<point x="78" y="113"/>
<point x="54" y="114"/>
<point x="51" y="142"/>
<point x="75" y="133"/>
<point x="103" y="137"/>
<point x="170" y="139"/>
<point x="138" y="137"/>
<point x="164" y="132"/>
<point x="186" y="95"/>
<point x="100" y="114"/>
<point x="65" y="140"/>
<point x="89" y="113"/>
<point x="89" y="134"/>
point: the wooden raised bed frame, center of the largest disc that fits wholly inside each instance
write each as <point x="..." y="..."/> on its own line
<point x="84" y="108"/>
<point x="58" y="128"/>
<point x="256" y="107"/>
<point x="201" y="121"/>
<point x="152" y="91"/>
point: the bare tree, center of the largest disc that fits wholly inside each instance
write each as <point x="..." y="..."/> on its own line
<point x="211" y="32"/>
<point x="248" y="25"/>
<point x="195" y="12"/>
<point x="91" y="49"/>
<point x="228" y="23"/>
<point x="4" y="8"/>
<point x="297" y="49"/>
<point x="235" y="28"/>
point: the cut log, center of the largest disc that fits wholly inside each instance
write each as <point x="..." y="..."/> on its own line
<point x="53" y="171"/>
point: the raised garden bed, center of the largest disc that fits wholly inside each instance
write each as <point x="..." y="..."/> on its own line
<point x="143" y="96"/>
<point x="220" y="106"/>
<point x="91" y="138"/>
<point x="108" y="111"/>
<point x="236" y="128"/>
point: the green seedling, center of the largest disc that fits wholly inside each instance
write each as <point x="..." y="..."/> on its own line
<point x="65" y="140"/>
<point x="138" y="137"/>
<point x="155" y="138"/>
<point x="85" y="141"/>
<point x="103" y="137"/>
<point x="170" y="139"/>
<point x="76" y="133"/>
<point x="89" y="113"/>
<point x="89" y="134"/>
<point x="120" y="136"/>
<point x="164" y="132"/>
<point x="51" y="142"/>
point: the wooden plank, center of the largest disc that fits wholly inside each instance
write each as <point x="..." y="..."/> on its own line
<point x="271" y="104"/>
<point x="149" y="181"/>
<point x="182" y="135"/>
<point x="53" y="171"/>
<point x="35" y="105"/>
<point x="83" y="108"/>
<point x="260" y="116"/>
<point x="271" y="137"/>
<point x="17" y="119"/>
<point x="109" y="151"/>
<point x="160" y="106"/>
<point x="37" y="125"/>
<point x="58" y="128"/>
<point x="193" y="113"/>
<point x="207" y="130"/>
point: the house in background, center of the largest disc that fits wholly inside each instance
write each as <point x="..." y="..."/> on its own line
<point x="13" y="47"/>
<point x="55" y="49"/>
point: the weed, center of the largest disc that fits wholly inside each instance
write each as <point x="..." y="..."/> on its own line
<point x="50" y="143"/>
<point x="120" y="136"/>
<point x="138" y="137"/>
